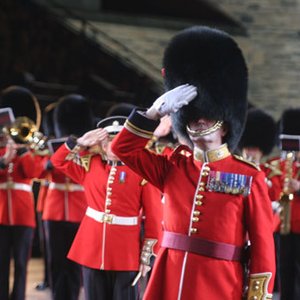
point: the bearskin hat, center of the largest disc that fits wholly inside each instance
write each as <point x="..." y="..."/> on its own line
<point x="120" y="109"/>
<point x="23" y="103"/>
<point x="260" y="131"/>
<point x="289" y="122"/>
<point x="72" y="115"/>
<point x="47" y="121"/>
<point x="212" y="61"/>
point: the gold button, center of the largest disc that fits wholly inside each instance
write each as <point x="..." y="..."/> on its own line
<point x="198" y="202"/>
<point x="107" y="211"/>
<point x="201" y="189"/>
<point x="202" y="183"/>
<point x="195" y="219"/>
<point x="204" y="174"/>
<point x="196" y="213"/>
<point x="206" y="168"/>
<point x="199" y="196"/>
<point x="193" y="230"/>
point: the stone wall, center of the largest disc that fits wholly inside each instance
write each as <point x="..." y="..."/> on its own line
<point x="272" y="50"/>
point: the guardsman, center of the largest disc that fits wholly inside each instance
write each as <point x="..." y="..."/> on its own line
<point x="17" y="221"/>
<point x="65" y="203"/>
<point x="41" y="157"/>
<point x="256" y="144"/>
<point x="108" y="243"/>
<point x="289" y="130"/>
<point x="212" y="198"/>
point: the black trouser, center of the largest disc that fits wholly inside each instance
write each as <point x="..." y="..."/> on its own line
<point x="16" y="241"/>
<point x="65" y="275"/>
<point x="109" y="285"/>
<point x="43" y="245"/>
<point x="290" y="266"/>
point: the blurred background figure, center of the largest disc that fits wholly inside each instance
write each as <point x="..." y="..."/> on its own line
<point x="289" y="130"/>
<point x="257" y="143"/>
<point x="41" y="156"/>
<point x="17" y="220"/>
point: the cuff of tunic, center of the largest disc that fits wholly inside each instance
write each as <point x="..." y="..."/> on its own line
<point x="140" y="125"/>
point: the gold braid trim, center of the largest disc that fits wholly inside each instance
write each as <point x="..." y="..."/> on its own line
<point x="138" y="131"/>
<point x="258" y="286"/>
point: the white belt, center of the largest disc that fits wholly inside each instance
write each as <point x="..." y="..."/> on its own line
<point x="102" y="217"/>
<point x="15" y="186"/>
<point x="70" y="187"/>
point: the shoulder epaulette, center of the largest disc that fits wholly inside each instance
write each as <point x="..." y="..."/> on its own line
<point x="144" y="182"/>
<point x="250" y="163"/>
<point x="182" y="150"/>
<point x="274" y="166"/>
<point x="85" y="161"/>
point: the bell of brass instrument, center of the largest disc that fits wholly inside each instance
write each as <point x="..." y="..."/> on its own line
<point x="286" y="195"/>
<point x="24" y="131"/>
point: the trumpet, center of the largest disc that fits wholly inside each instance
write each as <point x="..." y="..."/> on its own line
<point x="24" y="131"/>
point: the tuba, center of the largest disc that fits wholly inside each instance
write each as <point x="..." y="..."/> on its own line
<point x="286" y="195"/>
<point x="24" y="131"/>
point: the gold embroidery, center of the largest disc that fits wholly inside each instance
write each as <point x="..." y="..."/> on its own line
<point x="258" y="286"/>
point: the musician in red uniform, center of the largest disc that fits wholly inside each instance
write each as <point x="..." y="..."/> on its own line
<point x="108" y="241"/>
<point x="17" y="218"/>
<point x="17" y="214"/>
<point x="290" y="221"/>
<point x="212" y="198"/>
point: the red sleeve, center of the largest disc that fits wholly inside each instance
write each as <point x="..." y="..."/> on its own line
<point x="152" y="212"/>
<point x="259" y="218"/>
<point x="68" y="163"/>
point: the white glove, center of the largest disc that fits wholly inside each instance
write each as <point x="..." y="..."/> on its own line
<point x="173" y="100"/>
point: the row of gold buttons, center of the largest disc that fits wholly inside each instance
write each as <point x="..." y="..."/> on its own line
<point x="199" y="199"/>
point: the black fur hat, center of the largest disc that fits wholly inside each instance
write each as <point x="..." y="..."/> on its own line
<point x="260" y="131"/>
<point x="120" y="109"/>
<point x="47" y="121"/>
<point x="212" y="61"/>
<point x="290" y="122"/>
<point x="23" y="103"/>
<point x="72" y="115"/>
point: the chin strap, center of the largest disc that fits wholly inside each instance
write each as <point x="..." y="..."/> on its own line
<point x="199" y="133"/>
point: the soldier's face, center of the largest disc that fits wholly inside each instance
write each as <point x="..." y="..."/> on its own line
<point x="207" y="141"/>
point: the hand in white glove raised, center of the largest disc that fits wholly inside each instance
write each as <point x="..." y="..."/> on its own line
<point x="172" y="101"/>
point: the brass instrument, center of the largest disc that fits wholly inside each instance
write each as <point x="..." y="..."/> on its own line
<point x="286" y="195"/>
<point x="24" y="131"/>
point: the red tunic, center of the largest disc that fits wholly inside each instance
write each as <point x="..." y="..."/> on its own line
<point x="119" y="191"/>
<point x="65" y="199"/>
<point x="17" y="201"/>
<point x="223" y="217"/>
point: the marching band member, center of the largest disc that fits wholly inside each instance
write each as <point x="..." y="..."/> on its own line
<point x="212" y="198"/>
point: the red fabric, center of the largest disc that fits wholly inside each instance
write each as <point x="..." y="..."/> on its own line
<point x="106" y="246"/>
<point x="63" y="205"/>
<point x="22" y="202"/>
<point x="224" y="218"/>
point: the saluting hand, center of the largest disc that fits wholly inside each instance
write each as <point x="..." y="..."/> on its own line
<point x="172" y="101"/>
<point x="93" y="137"/>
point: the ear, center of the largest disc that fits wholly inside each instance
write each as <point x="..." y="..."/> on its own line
<point x="163" y="72"/>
